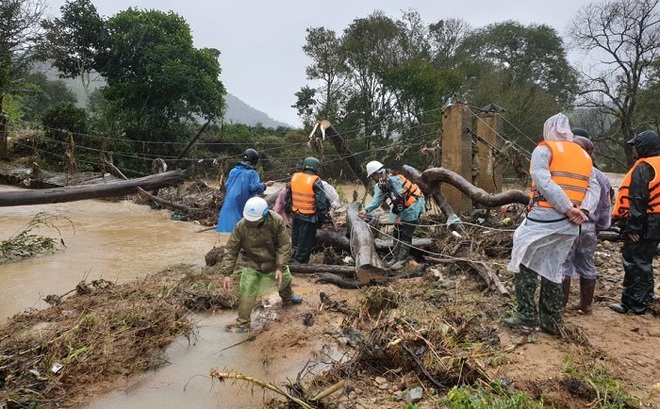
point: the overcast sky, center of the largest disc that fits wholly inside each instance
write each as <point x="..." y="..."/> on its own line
<point x="261" y="41"/>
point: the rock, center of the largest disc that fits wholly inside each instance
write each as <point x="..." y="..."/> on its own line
<point x="414" y="395"/>
<point x="447" y="284"/>
<point x="380" y="380"/>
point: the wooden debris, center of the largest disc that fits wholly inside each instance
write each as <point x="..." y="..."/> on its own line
<point x="430" y="191"/>
<point x="481" y="268"/>
<point x="368" y="265"/>
<point x="435" y="176"/>
<point x="83" y="192"/>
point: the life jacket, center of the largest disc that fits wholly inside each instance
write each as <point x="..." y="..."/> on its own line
<point x="570" y="168"/>
<point x="622" y="205"/>
<point x="303" y="199"/>
<point x="399" y="201"/>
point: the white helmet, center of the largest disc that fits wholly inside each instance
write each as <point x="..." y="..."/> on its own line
<point x="255" y="208"/>
<point x="373" y="167"/>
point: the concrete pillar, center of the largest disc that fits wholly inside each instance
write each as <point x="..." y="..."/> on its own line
<point x="489" y="126"/>
<point x="456" y="153"/>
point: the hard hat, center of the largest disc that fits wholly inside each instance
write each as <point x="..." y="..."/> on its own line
<point x="585" y="143"/>
<point x="577" y="131"/>
<point x="312" y="163"/>
<point x="255" y="208"/>
<point x="373" y="167"/>
<point x="251" y="156"/>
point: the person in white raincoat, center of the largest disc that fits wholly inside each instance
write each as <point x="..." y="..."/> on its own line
<point x="564" y="191"/>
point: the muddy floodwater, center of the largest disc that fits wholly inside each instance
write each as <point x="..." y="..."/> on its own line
<point x="122" y="241"/>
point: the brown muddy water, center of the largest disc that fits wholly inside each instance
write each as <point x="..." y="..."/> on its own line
<point x="122" y="241"/>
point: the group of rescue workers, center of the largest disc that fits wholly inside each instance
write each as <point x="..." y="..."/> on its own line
<point x="570" y="202"/>
<point x="260" y="238"/>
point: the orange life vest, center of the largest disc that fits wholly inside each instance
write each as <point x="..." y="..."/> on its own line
<point x="410" y="191"/>
<point x="570" y="168"/>
<point x="303" y="199"/>
<point x="622" y="205"/>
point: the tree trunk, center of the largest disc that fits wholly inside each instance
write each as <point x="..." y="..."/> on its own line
<point x="83" y="192"/>
<point x="342" y="148"/>
<point x="435" y="176"/>
<point x="368" y="265"/>
<point x="164" y="203"/>
<point x="346" y="271"/>
<point x="432" y="191"/>
<point x="339" y="240"/>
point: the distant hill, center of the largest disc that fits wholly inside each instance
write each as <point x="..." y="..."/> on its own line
<point x="238" y="112"/>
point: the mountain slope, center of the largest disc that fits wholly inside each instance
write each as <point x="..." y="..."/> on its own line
<point x="237" y="110"/>
<point x="240" y="112"/>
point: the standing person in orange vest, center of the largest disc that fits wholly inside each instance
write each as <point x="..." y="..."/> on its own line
<point x="309" y="208"/>
<point x="638" y="208"/>
<point x="406" y="202"/>
<point x="564" y="192"/>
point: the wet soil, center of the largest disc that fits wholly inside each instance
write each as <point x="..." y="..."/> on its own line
<point x="431" y="332"/>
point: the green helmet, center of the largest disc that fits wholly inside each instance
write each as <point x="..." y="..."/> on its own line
<point x="312" y="163"/>
<point x="580" y="132"/>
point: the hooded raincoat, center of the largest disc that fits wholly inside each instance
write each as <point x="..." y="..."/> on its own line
<point x="243" y="183"/>
<point x="638" y="282"/>
<point x="544" y="238"/>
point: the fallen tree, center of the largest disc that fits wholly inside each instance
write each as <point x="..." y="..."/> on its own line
<point x="436" y="176"/>
<point x="345" y="271"/>
<point x="83" y="192"/>
<point x="368" y="265"/>
<point x="432" y="191"/>
<point x="338" y="239"/>
<point x="163" y="202"/>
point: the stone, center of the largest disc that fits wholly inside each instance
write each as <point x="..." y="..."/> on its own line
<point x="414" y="395"/>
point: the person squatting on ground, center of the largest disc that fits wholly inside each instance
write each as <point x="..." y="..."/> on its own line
<point x="637" y="206"/>
<point x="563" y="183"/>
<point x="262" y="242"/>
<point x="309" y="208"/>
<point x="406" y="203"/>
<point x="243" y="183"/>
<point x="580" y="260"/>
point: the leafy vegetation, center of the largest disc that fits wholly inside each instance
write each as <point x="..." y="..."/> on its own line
<point x="608" y="391"/>
<point x="382" y="81"/>
<point x="491" y="396"/>
<point x="25" y="243"/>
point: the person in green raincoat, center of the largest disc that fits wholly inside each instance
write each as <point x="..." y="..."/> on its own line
<point x="262" y="242"/>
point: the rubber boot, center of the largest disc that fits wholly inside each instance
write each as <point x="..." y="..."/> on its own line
<point x="525" y="282"/>
<point x="587" y="287"/>
<point x="550" y="307"/>
<point x="566" y="291"/>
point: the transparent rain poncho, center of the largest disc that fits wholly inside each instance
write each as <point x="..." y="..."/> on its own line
<point x="543" y="245"/>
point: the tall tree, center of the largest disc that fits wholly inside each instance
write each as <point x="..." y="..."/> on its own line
<point x="19" y="32"/>
<point x="155" y="76"/>
<point x="624" y="37"/>
<point x="74" y="40"/>
<point x="323" y="47"/>
<point x="526" y="54"/>
<point x="43" y="93"/>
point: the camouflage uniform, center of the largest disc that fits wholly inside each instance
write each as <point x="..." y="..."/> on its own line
<point x="544" y="239"/>
<point x="261" y="250"/>
<point x="550" y="300"/>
